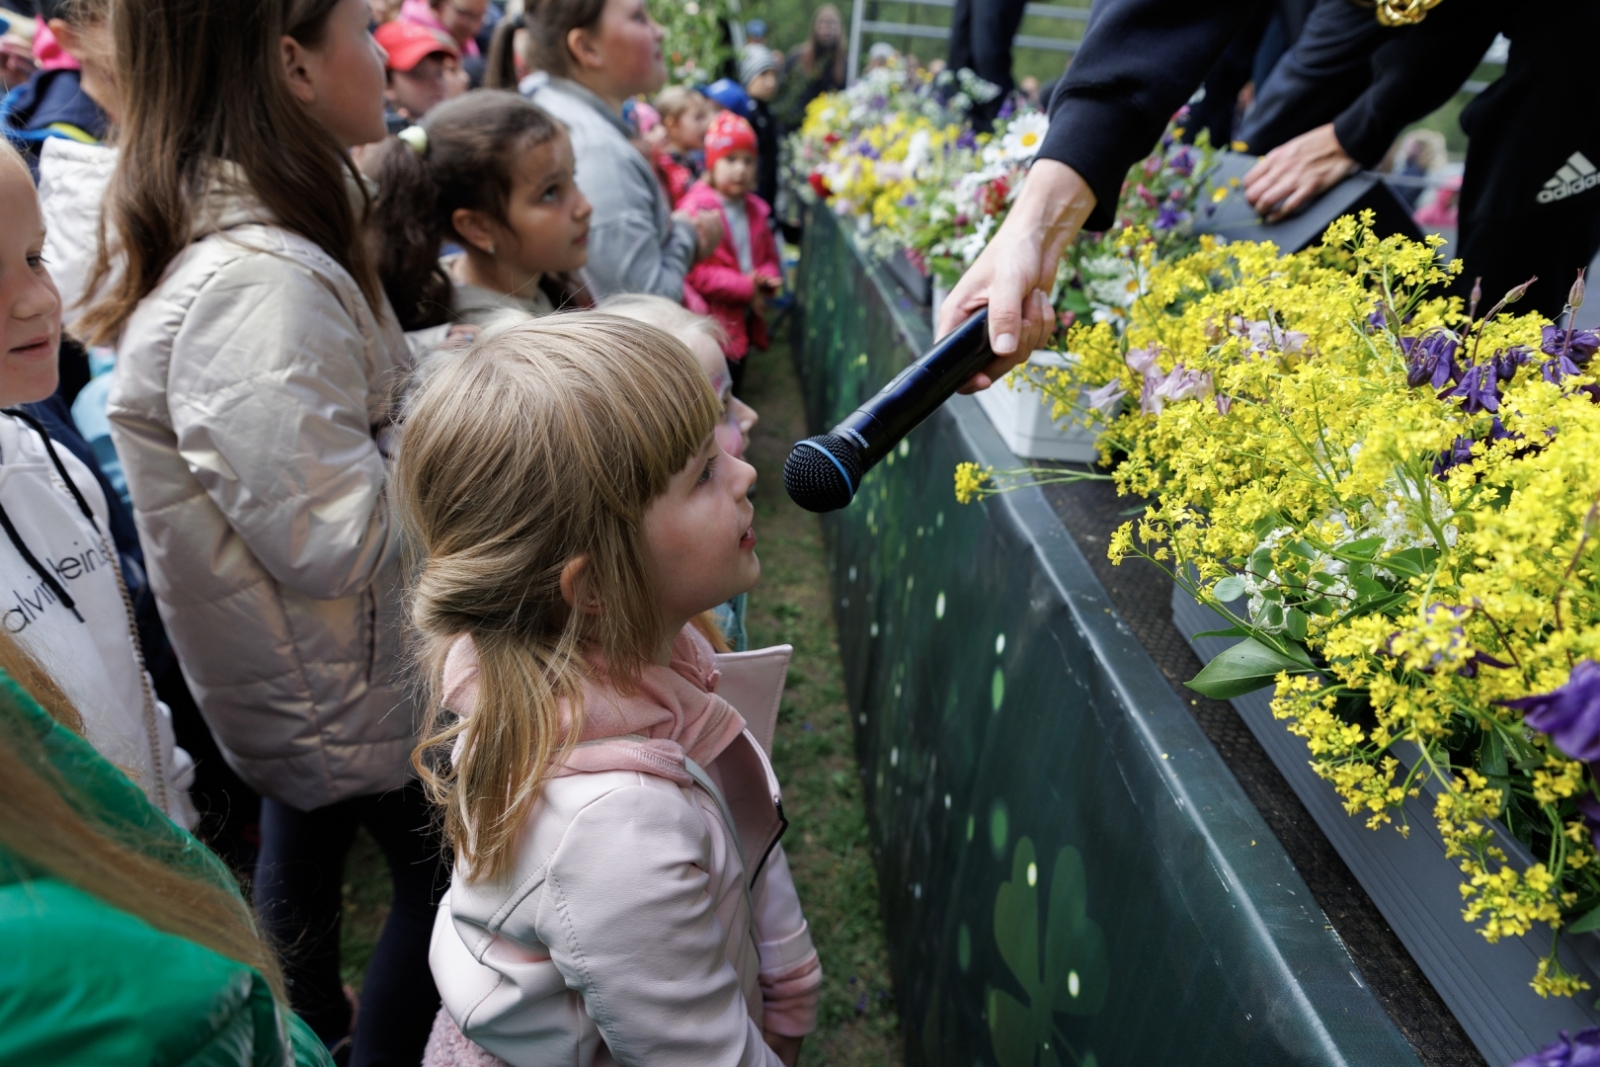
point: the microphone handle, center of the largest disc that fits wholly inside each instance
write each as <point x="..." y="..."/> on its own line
<point x="916" y="392"/>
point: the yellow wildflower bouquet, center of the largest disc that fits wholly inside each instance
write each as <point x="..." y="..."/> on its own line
<point x="1395" y="501"/>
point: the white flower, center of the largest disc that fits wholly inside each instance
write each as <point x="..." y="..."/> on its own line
<point x="1024" y="135"/>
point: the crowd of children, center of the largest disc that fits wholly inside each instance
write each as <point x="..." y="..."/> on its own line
<point x="388" y="474"/>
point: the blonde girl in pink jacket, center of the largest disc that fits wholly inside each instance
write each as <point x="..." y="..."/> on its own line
<point x="620" y="895"/>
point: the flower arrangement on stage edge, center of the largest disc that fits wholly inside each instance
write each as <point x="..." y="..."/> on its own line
<point x="1395" y="501"/>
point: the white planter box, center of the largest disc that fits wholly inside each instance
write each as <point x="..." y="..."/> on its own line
<point x="1022" y="416"/>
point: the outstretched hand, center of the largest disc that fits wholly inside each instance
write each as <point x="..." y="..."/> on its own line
<point x="1014" y="274"/>
<point x="1297" y="172"/>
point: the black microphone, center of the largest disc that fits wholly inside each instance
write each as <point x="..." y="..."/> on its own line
<point x="824" y="472"/>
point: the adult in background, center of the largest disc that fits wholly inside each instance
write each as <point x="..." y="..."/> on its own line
<point x="980" y="41"/>
<point x="1140" y="60"/>
<point x="813" y="68"/>
<point x="16" y="48"/>
<point x="1530" y="196"/>
<point x="598" y="54"/>
<point x="417" y="71"/>
<point x="459" y="20"/>
<point x="66" y="101"/>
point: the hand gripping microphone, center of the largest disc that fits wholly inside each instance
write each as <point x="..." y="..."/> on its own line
<point x="824" y="472"/>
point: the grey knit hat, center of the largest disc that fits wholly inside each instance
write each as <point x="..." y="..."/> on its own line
<point x="755" y="60"/>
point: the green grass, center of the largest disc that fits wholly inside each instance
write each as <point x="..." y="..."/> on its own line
<point x="813" y="753"/>
<point x="827" y="841"/>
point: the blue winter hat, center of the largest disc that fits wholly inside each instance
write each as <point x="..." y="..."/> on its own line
<point x="755" y="28"/>
<point x="729" y="94"/>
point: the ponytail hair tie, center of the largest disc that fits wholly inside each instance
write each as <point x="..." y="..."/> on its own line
<point x="417" y="138"/>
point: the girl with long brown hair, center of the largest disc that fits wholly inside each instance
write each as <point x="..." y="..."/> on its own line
<point x="621" y="896"/>
<point x="257" y="362"/>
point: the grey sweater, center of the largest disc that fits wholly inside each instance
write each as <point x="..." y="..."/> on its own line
<point x="635" y="245"/>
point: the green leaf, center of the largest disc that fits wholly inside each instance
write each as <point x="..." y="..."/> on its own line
<point x="1296" y="625"/>
<point x="1362" y="549"/>
<point x="1413" y="562"/>
<point x="1232" y="631"/>
<point x="1244" y="668"/>
<point x="1228" y="589"/>
<point x="1589" y="922"/>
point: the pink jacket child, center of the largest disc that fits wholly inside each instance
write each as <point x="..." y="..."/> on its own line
<point x="650" y="917"/>
<point x="718" y="282"/>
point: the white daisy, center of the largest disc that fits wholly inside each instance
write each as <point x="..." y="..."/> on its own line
<point x="1024" y="135"/>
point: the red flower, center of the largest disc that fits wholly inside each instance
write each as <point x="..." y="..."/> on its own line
<point x="819" y="184"/>
<point x="831" y="139"/>
<point x="994" y="196"/>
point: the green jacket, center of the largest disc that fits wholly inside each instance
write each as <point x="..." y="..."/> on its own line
<point x="82" y="982"/>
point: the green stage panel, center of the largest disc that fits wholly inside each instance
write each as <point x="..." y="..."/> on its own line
<point x="1070" y="875"/>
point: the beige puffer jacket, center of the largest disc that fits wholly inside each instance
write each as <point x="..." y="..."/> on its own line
<point x="253" y="395"/>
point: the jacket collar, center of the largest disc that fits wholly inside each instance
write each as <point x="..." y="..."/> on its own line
<point x="568" y="87"/>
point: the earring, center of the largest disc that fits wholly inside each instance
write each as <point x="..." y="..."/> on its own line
<point x="491" y="249"/>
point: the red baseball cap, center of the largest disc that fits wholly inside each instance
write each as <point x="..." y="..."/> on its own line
<point x="409" y="43"/>
<point x="728" y="133"/>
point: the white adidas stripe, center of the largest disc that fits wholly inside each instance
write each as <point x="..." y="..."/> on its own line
<point x="1575" y="176"/>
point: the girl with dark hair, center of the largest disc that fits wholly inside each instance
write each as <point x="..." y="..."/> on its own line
<point x="257" y="363"/>
<point x="494" y="174"/>
<point x="597" y="55"/>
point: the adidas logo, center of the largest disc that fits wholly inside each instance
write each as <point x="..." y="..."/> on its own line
<point x="1575" y="175"/>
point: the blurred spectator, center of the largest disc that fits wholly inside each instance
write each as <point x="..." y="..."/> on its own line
<point x="1442" y="212"/>
<point x="419" y="71"/>
<point x="728" y="95"/>
<point x="1418" y="155"/>
<point x="61" y="102"/>
<point x="1328" y="68"/>
<point x="980" y="41"/>
<point x="16" y="48"/>
<point x="686" y="113"/>
<point x="460" y="21"/>
<point x="758" y="69"/>
<point x="755" y="32"/>
<point x="1028" y="89"/>
<point x="880" y="54"/>
<point x="384" y="11"/>
<point x="813" y="68"/>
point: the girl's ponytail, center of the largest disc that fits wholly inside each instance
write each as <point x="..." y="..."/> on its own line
<point x="501" y="65"/>
<point x="405" y="230"/>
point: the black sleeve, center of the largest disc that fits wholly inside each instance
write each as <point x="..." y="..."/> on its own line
<point x="1414" y="73"/>
<point x="1139" y="62"/>
<point x="1327" y="69"/>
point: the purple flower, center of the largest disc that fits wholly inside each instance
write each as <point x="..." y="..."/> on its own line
<point x="1581" y="349"/>
<point x="1460" y="452"/>
<point x="968" y="139"/>
<point x="1571" y="716"/>
<point x="1430" y="358"/>
<point x="1143" y="361"/>
<point x="1582" y="1050"/>
<point x="1106" y="398"/>
<point x="1182" y="162"/>
<point x="1477" y="389"/>
<point x="1224" y="403"/>
<point x="1557" y="368"/>
<point x="1007" y="109"/>
<point x="1169" y="217"/>
<point x="908" y="200"/>
<point x="1507" y="360"/>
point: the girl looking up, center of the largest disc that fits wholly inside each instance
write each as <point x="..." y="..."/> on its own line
<point x="252" y="406"/>
<point x="598" y="54"/>
<point x="494" y="174"/>
<point x="620" y="893"/>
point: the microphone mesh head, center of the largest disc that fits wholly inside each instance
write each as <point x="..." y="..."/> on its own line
<point x="822" y="473"/>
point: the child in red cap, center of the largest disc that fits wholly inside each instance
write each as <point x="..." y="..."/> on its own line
<point x="735" y="280"/>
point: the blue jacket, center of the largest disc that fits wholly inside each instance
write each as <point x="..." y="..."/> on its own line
<point x="50" y="104"/>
